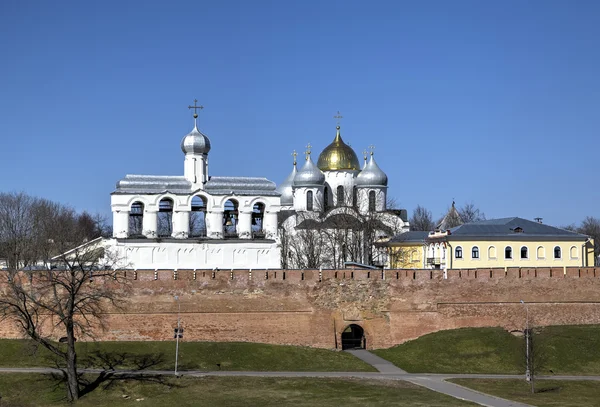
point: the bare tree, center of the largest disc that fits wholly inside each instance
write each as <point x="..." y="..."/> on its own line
<point x="470" y="213"/>
<point x="591" y="227"/>
<point x="421" y="219"/>
<point x="66" y="300"/>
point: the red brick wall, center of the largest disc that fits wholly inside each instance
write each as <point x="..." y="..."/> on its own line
<point x="312" y="307"/>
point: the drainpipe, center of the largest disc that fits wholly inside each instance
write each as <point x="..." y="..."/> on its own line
<point x="448" y="258"/>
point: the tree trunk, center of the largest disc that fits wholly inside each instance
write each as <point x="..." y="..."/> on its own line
<point x="72" y="380"/>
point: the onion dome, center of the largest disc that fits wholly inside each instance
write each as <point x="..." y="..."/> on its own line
<point x="285" y="189"/>
<point x="371" y="175"/>
<point x="195" y="143"/>
<point x="309" y="175"/>
<point x="338" y="156"/>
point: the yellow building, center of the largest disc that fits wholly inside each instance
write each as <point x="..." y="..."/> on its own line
<point x="506" y="242"/>
<point x="407" y="250"/>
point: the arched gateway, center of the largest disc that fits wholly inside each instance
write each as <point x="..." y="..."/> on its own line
<point x="353" y="337"/>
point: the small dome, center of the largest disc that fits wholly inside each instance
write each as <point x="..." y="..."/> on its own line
<point x="371" y="175"/>
<point x="309" y="175"/>
<point x="195" y="143"/>
<point x="338" y="156"/>
<point x="285" y="189"/>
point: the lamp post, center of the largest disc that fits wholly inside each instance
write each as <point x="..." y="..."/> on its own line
<point x="528" y="370"/>
<point x="178" y="333"/>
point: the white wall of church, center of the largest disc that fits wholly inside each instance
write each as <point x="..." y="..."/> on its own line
<point x="344" y="178"/>
<point x="300" y="198"/>
<point x="141" y="255"/>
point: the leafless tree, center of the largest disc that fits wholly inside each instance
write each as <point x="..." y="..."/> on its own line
<point x="342" y="233"/>
<point x="421" y="219"/>
<point x="591" y="227"/>
<point x="65" y="298"/>
<point x="470" y="213"/>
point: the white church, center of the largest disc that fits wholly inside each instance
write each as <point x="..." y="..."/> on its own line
<point x="201" y="221"/>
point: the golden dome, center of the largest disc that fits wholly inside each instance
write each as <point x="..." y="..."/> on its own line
<point x="338" y="156"/>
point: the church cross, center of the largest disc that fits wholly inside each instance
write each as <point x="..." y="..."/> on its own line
<point x="294" y="154"/>
<point x="365" y="154"/>
<point x="338" y="117"/>
<point x="372" y="149"/>
<point x="195" y="107"/>
<point x="308" y="147"/>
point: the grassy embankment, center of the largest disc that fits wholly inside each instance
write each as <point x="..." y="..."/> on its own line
<point x="192" y="356"/>
<point x="567" y="350"/>
<point x="549" y="393"/>
<point x="39" y="390"/>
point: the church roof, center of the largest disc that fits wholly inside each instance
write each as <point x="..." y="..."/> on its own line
<point x="513" y="228"/>
<point x="153" y="184"/>
<point x="175" y="184"/>
<point x="241" y="186"/>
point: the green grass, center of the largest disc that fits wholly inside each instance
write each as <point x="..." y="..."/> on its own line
<point x="549" y="393"/>
<point x="39" y="390"/>
<point x="192" y="356"/>
<point x="467" y="350"/>
<point x="566" y="349"/>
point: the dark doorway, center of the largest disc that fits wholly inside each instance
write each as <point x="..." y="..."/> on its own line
<point x="353" y="337"/>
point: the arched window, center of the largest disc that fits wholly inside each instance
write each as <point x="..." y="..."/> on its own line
<point x="573" y="252"/>
<point x="541" y="253"/>
<point x="508" y="252"/>
<point x="165" y="217"/>
<point x="309" y="201"/>
<point x="136" y="219"/>
<point x="198" y="217"/>
<point x="492" y="252"/>
<point x="524" y="252"/>
<point x="475" y="252"/>
<point x="557" y="252"/>
<point x="326" y="198"/>
<point x="340" y="195"/>
<point x="458" y="252"/>
<point x="258" y="214"/>
<point x="372" y="201"/>
<point x="230" y="218"/>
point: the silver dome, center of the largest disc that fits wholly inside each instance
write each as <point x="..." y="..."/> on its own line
<point x="285" y="189"/>
<point x="309" y="175"/>
<point x="195" y="143"/>
<point x="371" y="175"/>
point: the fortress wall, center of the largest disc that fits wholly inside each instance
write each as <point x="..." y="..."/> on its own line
<point x="313" y="307"/>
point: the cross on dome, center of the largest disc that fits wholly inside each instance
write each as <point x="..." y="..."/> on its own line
<point x="338" y="117"/>
<point x="308" y="150"/>
<point x="294" y="154"/>
<point x="372" y="149"/>
<point x="196" y="107"/>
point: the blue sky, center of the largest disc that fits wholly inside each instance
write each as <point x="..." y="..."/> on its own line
<point x="495" y="103"/>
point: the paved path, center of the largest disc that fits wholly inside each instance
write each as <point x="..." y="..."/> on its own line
<point x="382" y="365"/>
<point x="435" y="382"/>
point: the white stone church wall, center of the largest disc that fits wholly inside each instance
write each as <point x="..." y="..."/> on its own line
<point x="191" y="255"/>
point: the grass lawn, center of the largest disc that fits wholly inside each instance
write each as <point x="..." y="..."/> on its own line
<point x="549" y="393"/>
<point x="467" y="350"/>
<point x="567" y="350"/>
<point x="38" y="390"/>
<point x="192" y="356"/>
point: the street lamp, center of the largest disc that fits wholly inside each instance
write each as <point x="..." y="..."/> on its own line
<point x="178" y="333"/>
<point x="528" y="370"/>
